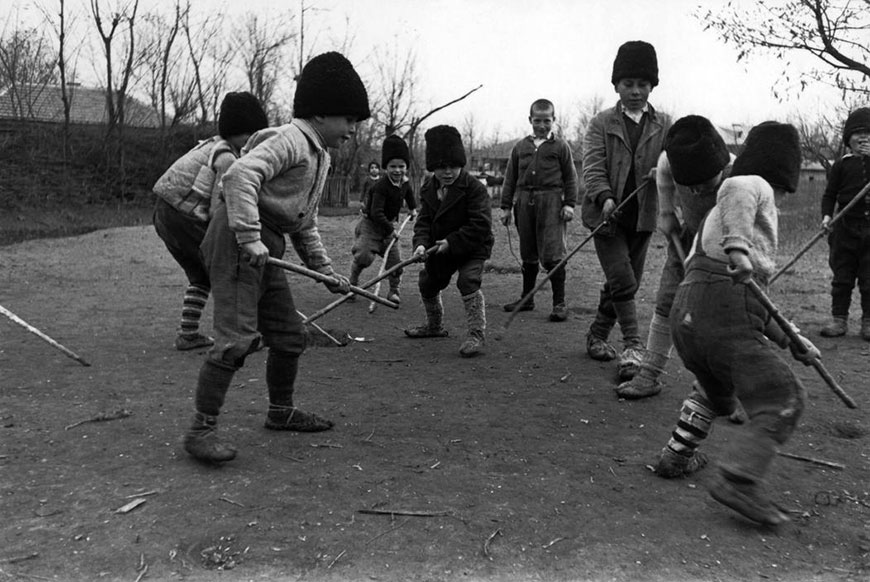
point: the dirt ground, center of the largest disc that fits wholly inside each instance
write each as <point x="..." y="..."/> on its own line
<point x="519" y="465"/>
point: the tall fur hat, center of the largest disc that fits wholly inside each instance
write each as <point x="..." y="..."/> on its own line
<point x="394" y="148"/>
<point x="772" y="150"/>
<point x="241" y="113"/>
<point x="444" y="147"/>
<point x="329" y="85"/>
<point x="858" y="120"/>
<point x="636" y="59"/>
<point x="696" y="151"/>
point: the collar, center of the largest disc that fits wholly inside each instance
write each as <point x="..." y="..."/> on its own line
<point x="533" y="137"/>
<point x="311" y="132"/>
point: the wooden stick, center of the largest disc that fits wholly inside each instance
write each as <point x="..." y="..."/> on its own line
<point x="321" y="278"/>
<point x="383" y="268"/>
<point x="797" y="342"/>
<point x="321" y="330"/>
<point x="678" y="247"/>
<point x="812" y="460"/>
<point x="404" y="512"/>
<point x="42" y="336"/>
<point x="367" y="284"/>
<point x="528" y="296"/>
<point x="825" y="230"/>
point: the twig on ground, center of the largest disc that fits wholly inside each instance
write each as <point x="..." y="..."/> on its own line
<point x="230" y="501"/>
<point x="102" y="417"/>
<point x="554" y="542"/>
<point x="489" y="541"/>
<point x="404" y="512"/>
<point x="812" y="460"/>
<point x="382" y="534"/>
<point x="332" y="563"/>
<point x="16" y="559"/>
<point x="146" y="493"/>
<point x="325" y="446"/>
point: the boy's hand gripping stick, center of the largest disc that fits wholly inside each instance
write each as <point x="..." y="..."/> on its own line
<point x="321" y="278"/>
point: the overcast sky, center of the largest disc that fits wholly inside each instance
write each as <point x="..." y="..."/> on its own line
<point x="520" y="50"/>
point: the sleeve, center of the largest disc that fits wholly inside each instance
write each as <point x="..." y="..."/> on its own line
<point x="667" y="189"/>
<point x="410" y="201"/>
<point x="474" y="233"/>
<point x="829" y="198"/>
<point x="423" y="223"/>
<point x="510" y="181"/>
<point x="739" y="201"/>
<point x="266" y="158"/>
<point x="309" y="246"/>
<point x="220" y="165"/>
<point x="377" y="208"/>
<point x="595" y="175"/>
<point x="569" y="176"/>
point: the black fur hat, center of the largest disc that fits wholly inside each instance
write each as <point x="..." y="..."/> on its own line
<point x="858" y="120"/>
<point x="636" y="59"/>
<point x="695" y="150"/>
<point x="773" y="151"/>
<point x="394" y="148"/>
<point x="241" y="113"/>
<point x="444" y="147"/>
<point x="329" y="85"/>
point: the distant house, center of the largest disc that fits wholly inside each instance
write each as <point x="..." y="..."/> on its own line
<point x="87" y="106"/>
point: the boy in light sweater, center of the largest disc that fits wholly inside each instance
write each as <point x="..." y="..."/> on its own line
<point x="273" y="190"/>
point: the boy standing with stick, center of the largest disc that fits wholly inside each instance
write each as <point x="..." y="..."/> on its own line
<point x="272" y="191"/>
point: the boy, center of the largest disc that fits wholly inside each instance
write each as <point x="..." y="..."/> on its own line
<point x="849" y="241"/>
<point x="376" y="227"/>
<point x="541" y="172"/>
<point x="455" y="216"/>
<point x="621" y="150"/>
<point x="185" y="204"/>
<point x="374" y="174"/>
<point x="689" y="172"/>
<point x="273" y="190"/>
<point x="726" y="337"/>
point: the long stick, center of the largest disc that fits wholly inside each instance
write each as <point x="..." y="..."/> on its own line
<point x="824" y="230"/>
<point x="383" y="268"/>
<point x="321" y="330"/>
<point x="798" y="343"/>
<point x="678" y="247"/>
<point x="321" y="278"/>
<point x="324" y="310"/>
<point x="528" y="296"/>
<point x="42" y="336"/>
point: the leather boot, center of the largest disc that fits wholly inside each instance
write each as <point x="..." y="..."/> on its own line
<point x="475" y="313"/>
<point x="434" y="317"/>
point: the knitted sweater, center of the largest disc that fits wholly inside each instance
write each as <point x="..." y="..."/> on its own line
<point x="278" y="181"/>
<point x="385" y="201"/>
<point x="848" y="175"/>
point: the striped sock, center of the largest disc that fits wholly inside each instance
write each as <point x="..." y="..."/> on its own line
<point x="696" y="421"/>
<point x="195" y="299"/>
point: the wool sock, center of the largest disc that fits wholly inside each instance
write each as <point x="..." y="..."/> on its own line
<point x="195" y="299"/>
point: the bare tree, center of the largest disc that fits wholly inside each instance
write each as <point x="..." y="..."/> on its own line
<point x="27" y="67"/>
<point x="469" y="133"/>
<point x="834" y="32"/>
<point x="204" y="46"/>
<point x="115" y="97"/>
<point x="159" y="61"/>
<point x="262" y="47"/>
<point x="396" y="97"/>
<point x="575" y="122"/>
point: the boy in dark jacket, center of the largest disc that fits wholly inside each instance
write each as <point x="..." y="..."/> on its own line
<point x="849" y="240"/>
<point x="455" y="217"/>
<point x="376" y="227"/>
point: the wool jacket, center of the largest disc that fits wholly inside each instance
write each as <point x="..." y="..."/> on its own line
<point x="385" y="201"/>
<point x="679" y="200"/>
<point x="744" y="219"/>
<point x="847" y="176"/>
<point x="463" y="218"/>
<point x="549" y="166"/>
<point x="607" y="162"/>
<point x="278" y="182"/>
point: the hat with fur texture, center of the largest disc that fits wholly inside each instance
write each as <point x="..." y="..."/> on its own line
<point x="394" y="148"/>
<point x="696" y="151"/>
<point x="444" y="148"/>
<point x="329" y="85"/>
<point x="241" y="113"/>
<point x="772" y="150"/>
<point x="636" y="59"/>
<point x="858" y="120"/>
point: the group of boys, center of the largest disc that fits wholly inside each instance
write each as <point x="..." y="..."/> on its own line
<point x="639" y="169"/>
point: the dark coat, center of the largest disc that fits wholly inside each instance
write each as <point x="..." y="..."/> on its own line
<point x="463" y="218"/>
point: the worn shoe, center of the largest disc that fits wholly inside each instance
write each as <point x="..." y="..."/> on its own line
<point x="291" y="418"/>
<point x="559" y="313"/>
<point x="201" y="442"/>
<point x="838" y="327"/>
<point x="639" y="387"/>
<point x="747" y="500"/>
<point x="423" y="331"/>
<point x="394" y="296"/>
<point x="599" y="349"/>
<point x="192" y="341"/>
<point x="472" y="346"/>
<point x="629" y="362"/>
<point x="527" y="306"/>
<point x="673" y="465"/>
<point x="865" y="329"/>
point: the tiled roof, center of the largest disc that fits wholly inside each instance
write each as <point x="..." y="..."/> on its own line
<point x="87" y="105"/>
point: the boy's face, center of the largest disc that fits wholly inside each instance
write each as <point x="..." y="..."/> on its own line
<point x="336" y="129"/>
<point x="542" y="122"/>
<point x="447" y="174"/>
<point x="374" y="170"/>
<point x="633" y="93"/>
<point x="859" y="142"/>
<point x="396" y="169"/>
